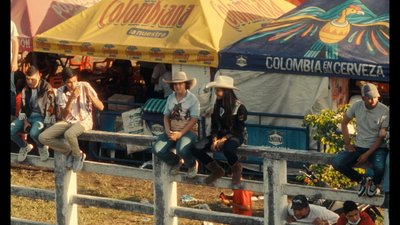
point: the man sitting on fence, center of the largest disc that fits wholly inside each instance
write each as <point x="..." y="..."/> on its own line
<point x="372" y="117"/>
<point x="300" y="211"/>
<point x="36" y="113"/>
<point x="351" y="215"/>
<point x="75" y="99"/>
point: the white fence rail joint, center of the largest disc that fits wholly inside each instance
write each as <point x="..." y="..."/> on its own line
<point x="165" y="209"/>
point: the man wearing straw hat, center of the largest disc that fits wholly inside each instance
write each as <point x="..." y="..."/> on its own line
<point x="181" y="114"/>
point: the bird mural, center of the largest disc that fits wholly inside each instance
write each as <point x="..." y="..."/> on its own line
<point x="350" y="22"/>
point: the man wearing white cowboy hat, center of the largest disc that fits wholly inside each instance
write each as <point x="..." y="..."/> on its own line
<point x="181" y="114"/>
<point x="227" y="127"/>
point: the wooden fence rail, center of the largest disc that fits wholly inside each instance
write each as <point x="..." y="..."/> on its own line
<point x="165" y="209"/>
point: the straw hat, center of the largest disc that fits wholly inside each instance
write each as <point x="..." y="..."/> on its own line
<point x="222" y="82"/>
<point x="180" y="77"/>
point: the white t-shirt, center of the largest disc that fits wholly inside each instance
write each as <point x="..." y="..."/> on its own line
<point x="163" y="86"/>
<point x="158" y="71"/>
<point x="181" y="112"/>
<point x="369" y="122"/>
<point x="14" y="33"/>
<point x="316" y="211"/>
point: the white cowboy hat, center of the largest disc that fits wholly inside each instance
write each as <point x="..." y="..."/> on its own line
<point x="222" y="82"/>
<point x="180" y="77"/>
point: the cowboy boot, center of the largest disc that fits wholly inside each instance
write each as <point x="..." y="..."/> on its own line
<point x="216" y="172"/>
<point x="236" y="172"/>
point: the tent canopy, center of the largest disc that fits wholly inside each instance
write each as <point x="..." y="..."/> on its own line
<point x="333" y="38"/>
<point x="33" y="17"/>
<point x="170" y="31"/>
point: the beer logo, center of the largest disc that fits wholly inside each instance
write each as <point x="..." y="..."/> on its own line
<point x="241" y="61"/>
<point x="156" y="54"/>
<point x="275" y="138"/>
<point x="159" y="14"/>
<point x="87" y="47"/>
<point x="205" y="57"/>
<point x="180" y="55"/>
<point x="108" y="49"/>
<point x="40" y="43"/>
<point x="147" y="33"/>
<point x="131" y="53"/>
<point x="64" y="46"/>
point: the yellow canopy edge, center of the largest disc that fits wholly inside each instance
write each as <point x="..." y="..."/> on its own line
<point x="169" y="31"/>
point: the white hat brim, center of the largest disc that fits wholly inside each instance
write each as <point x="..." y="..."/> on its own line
<point x="192" y="82"/>
<point x="221" y="85"/>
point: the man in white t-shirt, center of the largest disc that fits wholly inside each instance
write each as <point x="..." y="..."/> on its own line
<point x="14" y="66"/>
<point x="163" y="87"/>
<point x="372" y="117"/>
<point x="158" y="71"/>
<point x="300" y="211"/>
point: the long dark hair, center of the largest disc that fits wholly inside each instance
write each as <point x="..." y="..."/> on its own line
<point x="227" y="102"/>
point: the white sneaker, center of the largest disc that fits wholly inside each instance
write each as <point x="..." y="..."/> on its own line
<point x="175" y="169"/>
<point x="192" y="172"/>
<point x="23" y="152"/>
<point x="78" y="163"/>
<point x="44" y="153"/>
<point x="371" y="189"/>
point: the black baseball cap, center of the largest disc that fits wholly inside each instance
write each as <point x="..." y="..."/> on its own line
<point x="299" y="202"/>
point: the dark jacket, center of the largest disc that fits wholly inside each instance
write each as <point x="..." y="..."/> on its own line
<point x="46" y="102"/>
<point x="239" y="116"/>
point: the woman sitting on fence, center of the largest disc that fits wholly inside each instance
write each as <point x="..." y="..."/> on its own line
<point x="181" y="113"/>
<point x="227" y="127"/>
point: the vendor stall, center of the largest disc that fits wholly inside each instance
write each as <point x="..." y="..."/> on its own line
<point x="178" y="32"/>
<point x="307" y="60"/>
<point x="34" y="17"/>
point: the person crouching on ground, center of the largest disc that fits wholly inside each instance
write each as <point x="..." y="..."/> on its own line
<point x="300" y="211"/>
<point x="240" y="200"/>
<point x="351" y="215"/>
<point x="181" y="114"/>
<point x="227" y="127"/>
<point x="75" y="99"/>
<point x="37" y="100"/>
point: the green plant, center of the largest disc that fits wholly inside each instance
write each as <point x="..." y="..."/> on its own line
<point x="324" y="130"/>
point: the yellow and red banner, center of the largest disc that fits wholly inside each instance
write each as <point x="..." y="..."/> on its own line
<point x="170" y="31"/>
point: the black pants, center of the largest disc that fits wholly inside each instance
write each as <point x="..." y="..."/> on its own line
<point x="199" y="149"/>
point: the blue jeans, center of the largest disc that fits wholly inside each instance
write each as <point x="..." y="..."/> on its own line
<point x="17" y="126"/>
<point x="162" y="147"/>
<point x="344" y="160"/>
<point x="386" y="178"/>
<point x="13" y="96"/>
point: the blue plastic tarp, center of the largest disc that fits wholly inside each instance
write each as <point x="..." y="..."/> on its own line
<point x="333" y="38"/>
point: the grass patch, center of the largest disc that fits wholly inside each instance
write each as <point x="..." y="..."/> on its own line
<point x="115" y="187"/>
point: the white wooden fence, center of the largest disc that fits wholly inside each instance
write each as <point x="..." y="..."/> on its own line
<point x="165" y="209"/>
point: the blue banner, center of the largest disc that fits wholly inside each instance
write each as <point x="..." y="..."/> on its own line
<point x="334" y="38"/>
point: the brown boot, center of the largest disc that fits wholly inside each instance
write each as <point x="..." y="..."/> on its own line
<point x="236" y="172"/>
<point x="216" y="172"/>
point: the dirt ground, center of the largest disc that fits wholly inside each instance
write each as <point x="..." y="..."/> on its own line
<point x="111" y="187"/>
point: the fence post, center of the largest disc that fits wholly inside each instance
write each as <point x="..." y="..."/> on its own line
<point x="65" y="188"/>
<point x="275" y="173"/>
<point x="164" y="193"/>
<point x="386" y="217"/>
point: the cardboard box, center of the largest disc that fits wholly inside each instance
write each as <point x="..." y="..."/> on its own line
<point x="120" y="98"/>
